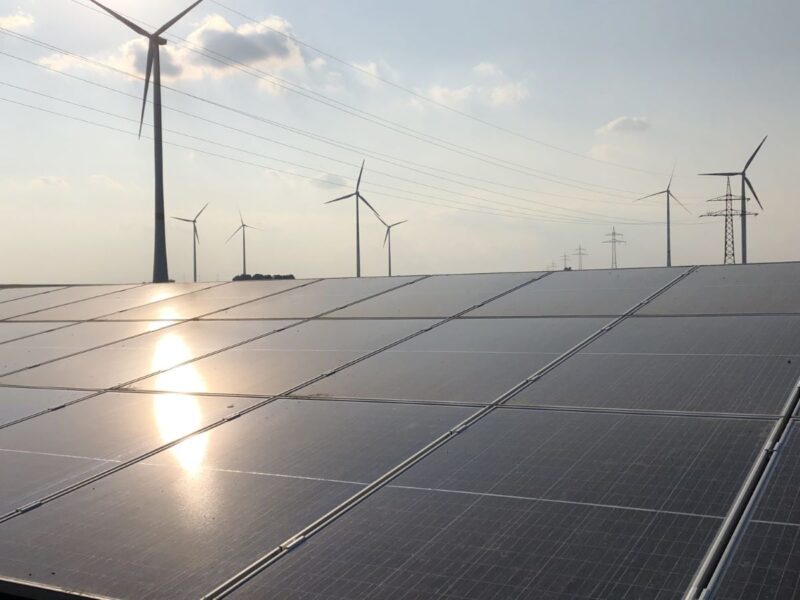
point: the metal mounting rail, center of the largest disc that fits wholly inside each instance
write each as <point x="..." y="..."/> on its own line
<point x="246" y="574"/>
<point x="729" y="533"/>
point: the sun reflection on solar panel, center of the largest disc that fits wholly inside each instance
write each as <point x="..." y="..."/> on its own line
<point x="177" y="414"/>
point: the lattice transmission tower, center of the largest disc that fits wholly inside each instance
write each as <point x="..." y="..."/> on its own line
<point x="616" y="238"/>
<point x="580" y="253"/>
<point x="729" y="213"/>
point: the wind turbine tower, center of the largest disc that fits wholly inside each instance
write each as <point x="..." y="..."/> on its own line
<point x="745" y="182"/>
<point x="580" y="253"/>
<point x="195" y="237"/>
<point x="668" y="195"/>
<point x="388" y="238"/>
<point x="359" y="198"/>
<point x="615" y="238"/>
<point x="243" y="228"/>
<point x="155" y="41"/>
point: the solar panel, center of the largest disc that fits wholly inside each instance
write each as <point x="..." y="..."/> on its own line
<point x="32" y="306"/>
<point x="108" y="304"/>
<point x="729" y="289"/>
<point x="409" y="543"/>
<point x="12" y="293"/>
<point x="712" y="364"/>
<point x="765" y="561"/>
<point x="465" y="360"/>
<point x="438" y="296"/>
<point x="315" y="299"/>
<point x="610" y="292"/>
<point x="209" y="300"/>
<point x="211" y="504"/>
<point x="125" y="361"/>
<point x="276" y="363"/>
<point x="335" y="409"/>
<point x="17" y="403"/>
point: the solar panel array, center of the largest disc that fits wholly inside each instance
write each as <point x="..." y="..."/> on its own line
<point x="586" y="434"/>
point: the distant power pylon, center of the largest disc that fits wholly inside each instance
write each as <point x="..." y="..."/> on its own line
<point x="616" y="238"/>
<point x="565" y="258"/>
<point x="580" y="253"/>
<point x="729" y="213"/>
<point x="552" y="266"/>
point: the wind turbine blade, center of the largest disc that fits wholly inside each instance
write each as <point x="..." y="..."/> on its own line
<point x="669" y="185"/>
<point x="360" y="173"/>
<point x="650" y="196"/>
<point x="399" y="223"/>
<point x="386" y="237"/>
<point x="671" y="195"/>
<point x="251" y="227"/>
<point x="150" y="58"/>
<point x="196" y="235"/>
<point x="201" y="211"/>
<point x="364" y="200"/>
<point x="238" y="229"/>
<point x="241" y="218"/>
<point x="720" y="174"/>
<point x="175" y="19"/>
<point x="341" y="198"/>
<point x="119" y="17"/>
<point x="753" y="156"/>
<point x="182" y="219"/>
<point x="750" y="185"/>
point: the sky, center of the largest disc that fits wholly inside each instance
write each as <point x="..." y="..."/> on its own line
<point x="506" y="133"/>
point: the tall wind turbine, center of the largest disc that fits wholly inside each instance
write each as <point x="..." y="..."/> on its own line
<point x="359" y="198"/>
<point x="668" y="196"/>
<point x="745" y="182"/>
<point x="195" y="237"/>
<point x="160" y="270"/>
<point x="243" y="228"/>
<point x="388" y="238"/>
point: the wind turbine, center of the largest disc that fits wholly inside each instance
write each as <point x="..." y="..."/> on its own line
<point x="195" y="237"/>
<point x="388" y="238"/>
<point x="745" y="181"/>
<point x="358" y="196"/>
<point x="669" y="196"/>
<point x="160" y="270"/>
<point x="243" y="228"/>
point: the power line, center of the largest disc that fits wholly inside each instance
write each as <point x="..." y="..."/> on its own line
<point x="430" y="100"/>
<point x="355" y="111"/>
<point x="558" y="208"/>
<point x="555" y="217"/>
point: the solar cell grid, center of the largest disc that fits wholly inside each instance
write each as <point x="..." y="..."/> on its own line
<point x="402" y="543"/>
<point x="34" y="305"/>
<point x="12" y="293"/>
<point x="17" y="403"/>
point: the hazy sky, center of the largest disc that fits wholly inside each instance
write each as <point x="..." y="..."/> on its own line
<point x="640" y="84"/>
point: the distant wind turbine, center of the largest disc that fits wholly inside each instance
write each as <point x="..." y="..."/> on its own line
<point x="195" y="236"/>
<point x="745" y="182"/>
<point x="160" y="269"/>
<point x="388" y="238"/>
<point x="358" y="196"/>
<point x="243" y="228"/>
<point x="668" y="196"/>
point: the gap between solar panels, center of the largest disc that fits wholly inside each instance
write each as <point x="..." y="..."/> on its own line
<point x="49" y="498"/>
<point x="293" y="542"/>
<point x="721" y="549"/>
<point x="33" y="312"/>
<point x="40" y="293"/>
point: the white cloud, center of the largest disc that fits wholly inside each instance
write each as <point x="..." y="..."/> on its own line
<point x="450" y="96"/>
<point x="17" y="20"/>
<point x="487" y="69"/>
<point x="624" y="125"/>
<point x="258" y="46"/>
<point x="508" y="94"/>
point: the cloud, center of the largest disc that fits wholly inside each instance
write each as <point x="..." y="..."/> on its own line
<point x="450" y="96"/>
<point x="487" y="69"/>
<point x="259" y="46"/>
<point x="509" y="94"/>
<point x="624" y="125"/>
<point x="330" y="181"/>
<point x="16" y="21"/>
